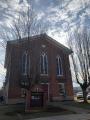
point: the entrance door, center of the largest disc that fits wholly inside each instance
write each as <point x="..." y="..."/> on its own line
<point x="45" y="88"/>
<point x="36" y="99"/>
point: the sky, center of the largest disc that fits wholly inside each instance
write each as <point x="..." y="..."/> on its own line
<point x="60" y="17"/>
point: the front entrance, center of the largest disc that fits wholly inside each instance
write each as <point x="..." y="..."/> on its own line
<point x="36" y="99"/>
<point x="45" y="88"/>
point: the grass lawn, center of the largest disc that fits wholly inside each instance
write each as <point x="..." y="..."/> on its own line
<point x="78" y="104"/>
<point x="46" y="112"/>
<point x="13" y="112"/>
<point x="3" y="116"/>
<point x="82" y="105"/>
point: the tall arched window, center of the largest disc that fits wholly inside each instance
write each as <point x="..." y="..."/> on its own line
<point x="43" y="64"/>
<point x="24" y="63"/>
<point x="59" y="68"/>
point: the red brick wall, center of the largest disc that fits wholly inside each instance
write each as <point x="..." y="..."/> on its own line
<point x="35" y="49"/>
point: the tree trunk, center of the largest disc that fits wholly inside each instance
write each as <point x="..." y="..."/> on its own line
<point x="84" y="96"/>
<point x="28" y="101"/>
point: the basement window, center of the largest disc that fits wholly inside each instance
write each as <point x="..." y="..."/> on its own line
<point x="23" y="92"/>
<point x="61" y="88"/>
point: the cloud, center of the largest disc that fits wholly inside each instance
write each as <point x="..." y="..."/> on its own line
<point x="58" y="16"/>
<point x="2" y="75"/>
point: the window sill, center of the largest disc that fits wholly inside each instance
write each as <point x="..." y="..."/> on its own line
<point x="43" y="74"/>
<point x="59" y="75"/>
<point x="62" y="94"/>
<point x="24" y="74"/>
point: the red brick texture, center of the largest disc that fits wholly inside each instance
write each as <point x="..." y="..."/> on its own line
<point x="34" y="50"/>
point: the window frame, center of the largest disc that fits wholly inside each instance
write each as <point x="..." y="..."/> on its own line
<point x="23" y="92"/>
<point x="63" y="86"/>
<point x="59" y="65"/>
<point x="44" y="64"/>
<point x="24" y="65"/>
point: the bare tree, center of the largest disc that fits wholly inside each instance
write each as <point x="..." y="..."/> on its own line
<point x="79" y="42"/>
<point x="24" y="25"/>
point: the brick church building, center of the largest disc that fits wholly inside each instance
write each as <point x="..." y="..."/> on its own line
<point x="38" y="66"/>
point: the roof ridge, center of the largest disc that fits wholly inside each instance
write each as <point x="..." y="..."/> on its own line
<point x="58" y="44"/>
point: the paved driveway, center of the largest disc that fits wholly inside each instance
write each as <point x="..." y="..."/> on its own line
<point x="66" y="117"/>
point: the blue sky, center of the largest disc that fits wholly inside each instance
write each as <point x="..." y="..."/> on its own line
<point x="60" y="17"/>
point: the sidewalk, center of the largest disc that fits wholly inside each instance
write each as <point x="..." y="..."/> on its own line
<point x="66" y="117"/>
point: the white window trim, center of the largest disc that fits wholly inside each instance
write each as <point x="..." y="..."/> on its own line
<point x="60" y="75"/>
<point x="44" y="74"/>
<point x="25" y="53"/>
<point x="60" y="69"/>
<point x="29" y="64"/>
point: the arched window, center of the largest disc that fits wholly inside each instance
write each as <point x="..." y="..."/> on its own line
<point x="24" y="63"/>
<point x="43" y="64"/>
<point x="59" y="69"/>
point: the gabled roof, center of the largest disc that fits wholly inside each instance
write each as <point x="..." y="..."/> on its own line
<point x="49" y="39"/>
<point x="53" y="41"/>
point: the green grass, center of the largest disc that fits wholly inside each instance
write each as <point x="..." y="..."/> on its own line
<point x="78" y="104"/>
<point x="82" y="105"/>
<point x="8" y="112"/>
<point x="14" y="112"/>
<point x="46" y="112"/>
